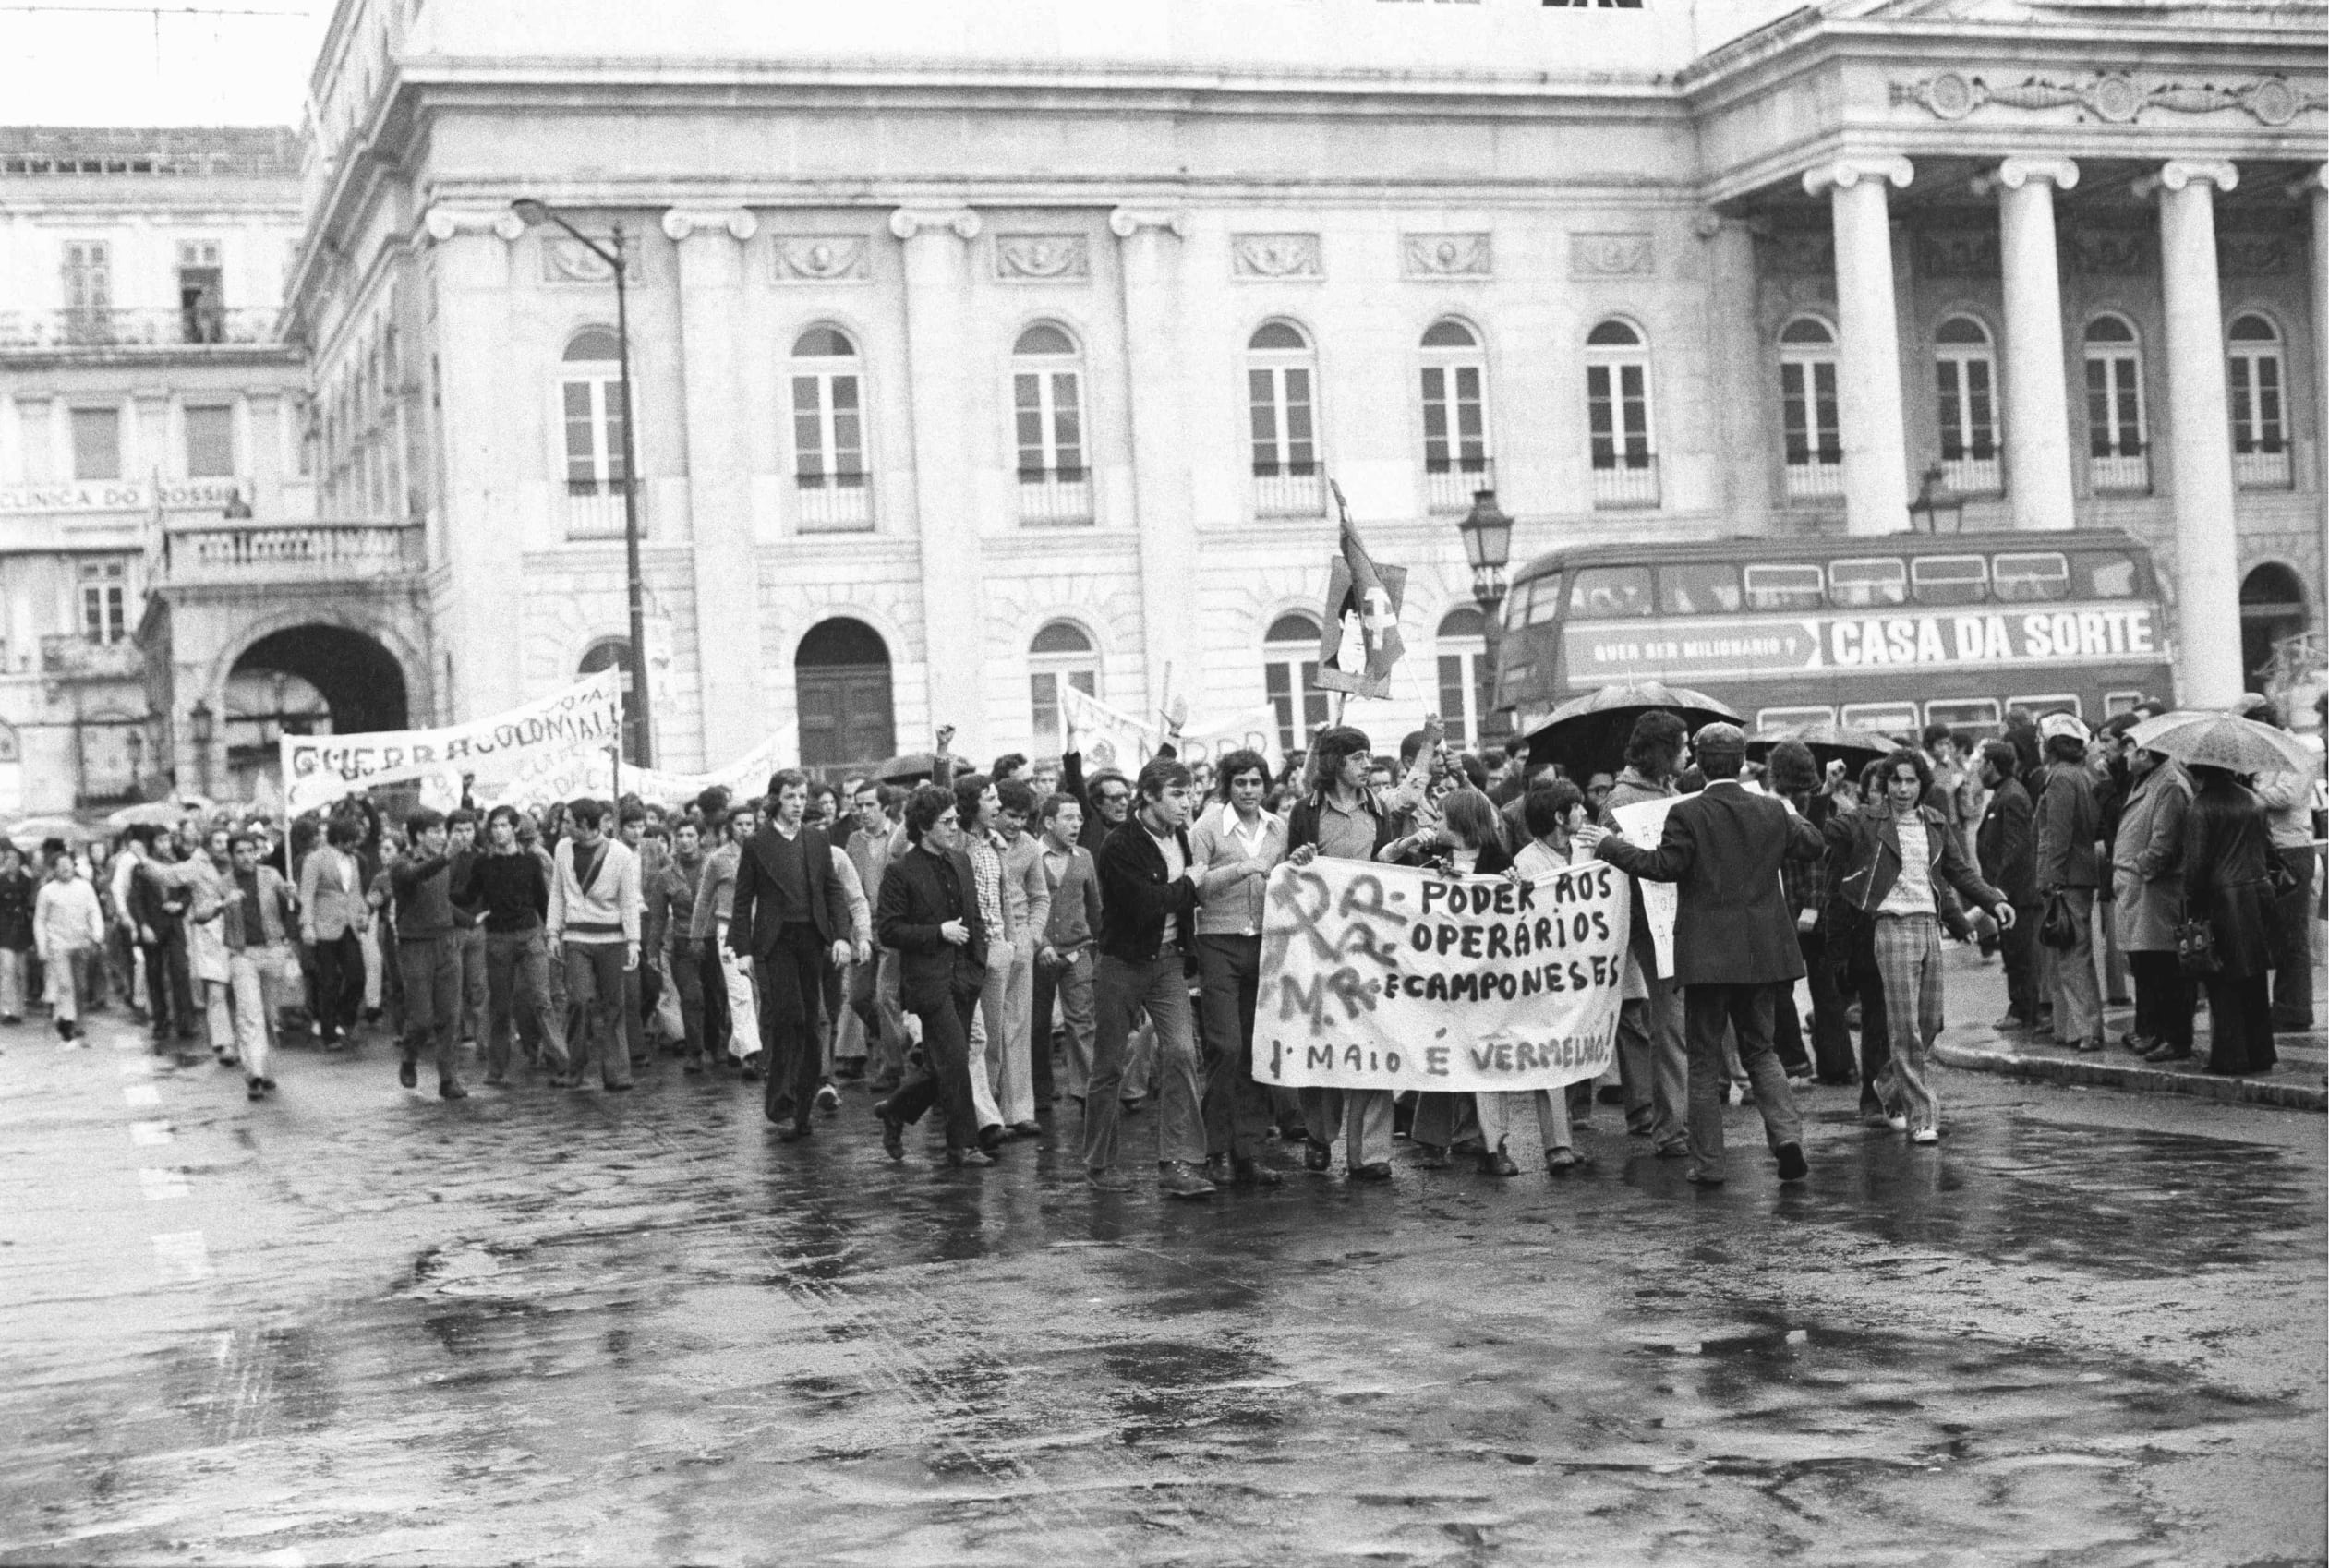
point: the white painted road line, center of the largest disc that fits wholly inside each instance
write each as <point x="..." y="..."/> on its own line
<point x="161" y="1182"/>
<point x="148" y="1135"/>
<point x="141" y="1094"/>
<point x="181" y="1255"/>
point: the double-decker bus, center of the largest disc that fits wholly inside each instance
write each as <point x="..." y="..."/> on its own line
<point x="1886" y="633"/>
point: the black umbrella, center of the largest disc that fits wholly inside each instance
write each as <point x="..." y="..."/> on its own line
<point x="1828" y="742"/>
<point x="909" y="768"/>
<point x="1587" y="734"/>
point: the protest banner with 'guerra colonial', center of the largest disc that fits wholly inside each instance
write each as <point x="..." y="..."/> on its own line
<point x="1387" y="977"/>
<point x="318" y="769"/>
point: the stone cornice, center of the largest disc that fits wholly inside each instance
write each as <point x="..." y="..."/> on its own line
<point x="1845" y="173"/>
<point x="908" y="222"/>
<point x="681" y="222"/>
<point x="445" y="221"/>
<point x="1125" y="221"/>
<point x="2177" y="174"/>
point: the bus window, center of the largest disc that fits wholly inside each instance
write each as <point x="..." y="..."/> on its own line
<point x="2116" y="703"/>
<point x="1516" y="605"/>
<point x="2038" y="708"/>
<point x="1699" y="589"/>
<point x="2103" y="574"/>
<point x="1784" y="587"/>
<point x="1949" y="579"/>
<point x="1769" y="718"/>
<point x="2025" y="579"/>
<point x="1857" y="584"/>
<point x="1544" y="601"/>
<point x="1603" y="592"/>
<point x="1885" y="718"/>
<point x="1973" y="716"/>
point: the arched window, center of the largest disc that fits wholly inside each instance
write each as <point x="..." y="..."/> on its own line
<point x="2117" y="453"/>
<point x="1059" y="659"/>
<point x="1807" y="409"/>
<point x="614" y="653"/>
<point x="1289" y="673"/>
<point x="1618" y="416"/>
<point x="1967" y="367"/>
<point x="590" y="398"/>
<point x="1456" y="461"/>
<point x="1281" y="381"/>
<point x="1054" y="483"/>
<point x="1467" y="691"/>
<point x="2259" y="431"/>
<point x="829" y="477"/>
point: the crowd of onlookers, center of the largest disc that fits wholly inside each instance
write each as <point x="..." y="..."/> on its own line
<point x="756" y="937"/>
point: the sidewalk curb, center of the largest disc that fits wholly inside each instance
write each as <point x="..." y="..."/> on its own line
<point x="1997" y="1056"/>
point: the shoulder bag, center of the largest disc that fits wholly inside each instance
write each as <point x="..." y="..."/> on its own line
<point x="2195" y="947"/>
<point x="2058" y="926"/>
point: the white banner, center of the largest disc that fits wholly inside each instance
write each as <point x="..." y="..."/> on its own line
<point x="318" y="769"/>
<point x="1388" y="977"/>
<point x="1109" y="737"/>
<point x="592" y="772"/>
<point x="1643" y="823"/>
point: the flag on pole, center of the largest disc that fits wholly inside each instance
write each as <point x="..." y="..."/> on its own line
<point x="1359" y="644"/>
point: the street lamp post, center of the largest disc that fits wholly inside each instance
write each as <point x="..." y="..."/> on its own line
<point x="1935" y="505"/>
<point x="534" y="213"/>
<point x="1488" y="544"/>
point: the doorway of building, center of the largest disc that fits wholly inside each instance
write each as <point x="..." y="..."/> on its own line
<point x="312" y="679"/>
<point x="841" y="685"/>
<point x="2272" y="610"/>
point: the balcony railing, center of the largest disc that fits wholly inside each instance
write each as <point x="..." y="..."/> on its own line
<point x="68" y="657"/>
<point x="594" y="510"/>
<point x="1974" y="476"/>
<point x="1631" y="481"/>
<point x="2260" y="469"/>
<point x="834" y="504"/>
<point x="1288" y="490"/>
<point x="89" y="327"/>
<point x="1815" y="475"/>
<point x="2125" y="473"/>
<point x="290" y="552"/>
<point x="1448" y="482"/>
<point x="1054" y="495"/>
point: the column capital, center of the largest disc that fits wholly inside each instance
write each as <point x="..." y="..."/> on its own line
<point x="1845" y="173"/>
<point x="908" y="222"/>
<point x="2314" y="181"/>
<point x="443" y="221"/>
<point x="681" y="222"/>
<point x="1125" y="221"/>
<point x="2060" y="173"/>
<point x="2177" y="174"/>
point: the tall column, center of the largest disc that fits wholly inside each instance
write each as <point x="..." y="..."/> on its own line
<point x="2038" y="412"/>
<point x="2208" y="670"/>
<point x="1742" y="397"/>
<point x="1876" y="446"/>
<point x="2314" y="189"/>
<point x="478" y="513"/>
<point x="937" y="366"/>
<point x="1172" y="651"/>
<point x="735" y="718"/>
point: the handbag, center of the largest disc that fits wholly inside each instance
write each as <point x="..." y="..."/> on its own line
<point x="2058" y="926"/>
<point x="2195" y="947"/>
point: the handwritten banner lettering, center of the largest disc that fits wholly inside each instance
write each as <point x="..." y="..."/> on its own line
<point x="1386" y="977"/>
<point x="318" y="769"/>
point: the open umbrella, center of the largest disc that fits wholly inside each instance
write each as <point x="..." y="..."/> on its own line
<point x="2223" y="740"/>
<point x="906" y="769"/>
<point x="1828" y="742"/>
<point x="155" y="814"/>
<point x="31" y="832"/>
<point x="1589" y="733"/>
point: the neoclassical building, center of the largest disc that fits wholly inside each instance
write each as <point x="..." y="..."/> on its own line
<point x="979" y="353"/>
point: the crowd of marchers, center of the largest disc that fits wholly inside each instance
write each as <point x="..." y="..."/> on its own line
<point x="998" y="951"/>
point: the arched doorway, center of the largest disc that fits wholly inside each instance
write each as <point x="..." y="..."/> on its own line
<point x="842" y="683"/>
<point x="2272" y="609"/>
<point x="312" y="680"/>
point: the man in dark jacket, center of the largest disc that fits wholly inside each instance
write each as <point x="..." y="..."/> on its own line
<point x="2006" y="844"/>
<point x="2070" y="818"/>
<point x="1148" y="901"/>
<point x="1733" y="939"/>
<point x="791" y="918"/>
<point x="929" y="913"/>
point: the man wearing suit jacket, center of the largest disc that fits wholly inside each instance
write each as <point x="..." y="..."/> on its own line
<point x="1734" y="939"/>
<point x="332" y="918"/>
<point x="791" y="918"/>
<point x="2005" y="845"/>
<point x="929" y="916"/>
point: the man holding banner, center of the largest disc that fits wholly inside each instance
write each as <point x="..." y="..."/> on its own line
<point x="1734" y="940"/>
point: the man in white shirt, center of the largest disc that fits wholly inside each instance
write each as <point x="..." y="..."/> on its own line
<point x="1235" y="845"/>
<point x="594" y="931"/>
